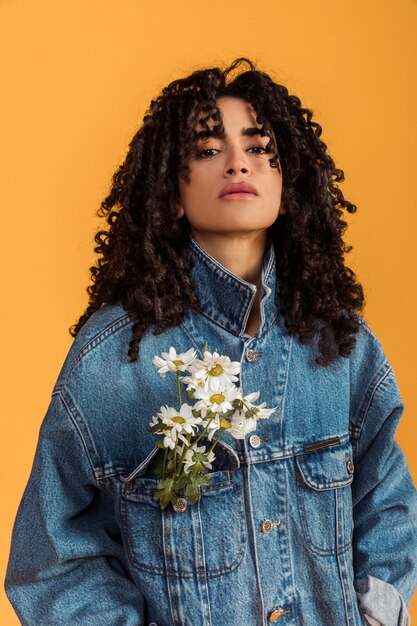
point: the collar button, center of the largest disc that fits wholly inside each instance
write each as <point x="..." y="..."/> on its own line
<point x="251" y="355"/>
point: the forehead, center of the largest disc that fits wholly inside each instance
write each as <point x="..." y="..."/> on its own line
<point x="234" y="112"/>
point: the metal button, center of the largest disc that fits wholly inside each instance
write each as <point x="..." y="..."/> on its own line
<point x="180" y="505"/>
<point x="251" y="355"/>
<point x="268" y="525"/>
<point x="275" y="615"/>
<point x="254" y="441"/>
<point x="350" y="466"/>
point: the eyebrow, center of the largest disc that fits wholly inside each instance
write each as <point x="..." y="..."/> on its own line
<point x="245" y="132"/>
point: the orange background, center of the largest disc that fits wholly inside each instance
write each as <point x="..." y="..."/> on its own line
<point x="77" y="78"/>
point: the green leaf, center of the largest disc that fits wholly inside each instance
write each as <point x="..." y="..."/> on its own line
<point x="192" y="492"/>
<point x="165" y="492"/>
<point x="205" y="347"/>
<point x="181" y="481"/>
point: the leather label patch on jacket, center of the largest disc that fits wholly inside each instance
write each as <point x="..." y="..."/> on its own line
<point x="326" y="443"/>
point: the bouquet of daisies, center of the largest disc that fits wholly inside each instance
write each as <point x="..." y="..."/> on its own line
<point x="190" y="433"/>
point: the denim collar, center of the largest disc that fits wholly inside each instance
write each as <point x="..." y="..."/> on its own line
<point x="225" y="298"/>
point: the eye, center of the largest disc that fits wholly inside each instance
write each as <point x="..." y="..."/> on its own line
<point x="201" y="154"/>
<point x="204" y="154"/>
<point x="264" y="150"/>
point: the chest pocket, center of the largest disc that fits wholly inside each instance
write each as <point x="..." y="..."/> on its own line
<point x="207" y="539"/>
<point x="324" y="497"/>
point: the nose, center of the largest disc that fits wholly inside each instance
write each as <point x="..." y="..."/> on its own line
<point x="236" y="161"/>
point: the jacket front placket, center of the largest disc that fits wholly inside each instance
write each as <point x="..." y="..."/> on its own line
<point x="226" y="300"/>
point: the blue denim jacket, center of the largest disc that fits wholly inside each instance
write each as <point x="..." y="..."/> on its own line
<point x="311" y="521"/>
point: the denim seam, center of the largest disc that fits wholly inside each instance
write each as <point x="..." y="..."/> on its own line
<point x="256" y="563"/>
<point x="339" y="559"/>
<point x="168" y="582"/>
<point x="191" y="338"/>
<point x="311" y="546"/>
<point x="289" y="547"/>
<point x="199" y="572"/>
<point x="284" y="390"/>
<point x="372" y="394"/>
<point x="108" y="331"/>
<point x="206" y="586"/>
<point x="80" y="433"/>
<point x="379" y="376"/>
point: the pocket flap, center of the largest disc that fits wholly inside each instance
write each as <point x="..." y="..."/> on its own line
<point x="328" y="467"/>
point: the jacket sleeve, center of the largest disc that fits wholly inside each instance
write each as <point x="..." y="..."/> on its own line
<point x="66" y="559"/>
<point x="384" y="507"/>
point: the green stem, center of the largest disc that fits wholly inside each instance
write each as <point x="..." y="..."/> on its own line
<point x="165" y="463"/>
<point x="184" y="452"/>
<point x="203" y="432"/>
<point x="175" y="457"/>
<point x="216" y="440"/>
<point x="179" y="387"/>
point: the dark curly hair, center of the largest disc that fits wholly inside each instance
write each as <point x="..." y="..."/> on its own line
<point x="144" y="264"/>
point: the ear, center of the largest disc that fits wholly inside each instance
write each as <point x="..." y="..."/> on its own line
<point x="281" y="210"/>
<point x="180" y="212"/>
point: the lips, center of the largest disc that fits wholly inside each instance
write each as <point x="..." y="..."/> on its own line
<point x="238" y="188"/>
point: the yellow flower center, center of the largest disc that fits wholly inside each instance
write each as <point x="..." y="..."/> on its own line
<point x="216" y="370"/>
<point x="177" y="363"/>
<point x="217" y="398"/>
<point x="178" y="419"/>
<point x="224" y="423"/>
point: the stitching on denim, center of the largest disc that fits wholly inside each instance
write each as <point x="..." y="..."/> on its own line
<point x="256" y="563"/>
<point x="311" y="546"/>
<point x="340" y="558"/>
<point x="206" y="586"/>
<point x="386" y="370"/>
<point x="284" y="391"/>
<point x="109" y="330"/>
<point x="378" y="377"/>
<point x="198" y="571"/>
<point x="294" y="619"/>
<point x="80" y="433"/>
<point x="191" y="338"/>
<point x="164" y="552"/>
<point x="285" y="454"/>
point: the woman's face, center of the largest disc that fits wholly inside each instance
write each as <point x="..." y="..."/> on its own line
<point x="228" y="160"/>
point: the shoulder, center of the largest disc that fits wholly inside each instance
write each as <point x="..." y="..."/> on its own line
<point x="99" y="338"/>
<point x="369" y="353"/>
<point x="371" y="373"/>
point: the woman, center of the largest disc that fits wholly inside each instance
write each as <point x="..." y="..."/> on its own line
<point x="225" y="229"/>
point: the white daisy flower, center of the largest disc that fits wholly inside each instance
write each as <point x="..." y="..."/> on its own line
<point x="212" y="425"/>
<point x="172" y="437"/>
<point x="219" y="402"/>
<point x="181" y="420"/>
<point x="192" y="384"/>
<point x="264" y="413"/>
<point x="252" y="410"/>
<point x="174" y="424"/>
<point x="241" y="425"/>
<point x="217" y="372"/>
<point x="173" y="362"/>
<point x="195" y="453"/>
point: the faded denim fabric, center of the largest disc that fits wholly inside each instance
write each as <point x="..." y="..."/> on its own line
<point x="91" y="546"/>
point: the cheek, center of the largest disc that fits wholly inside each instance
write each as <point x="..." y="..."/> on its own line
<point x="274" y="184"/>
